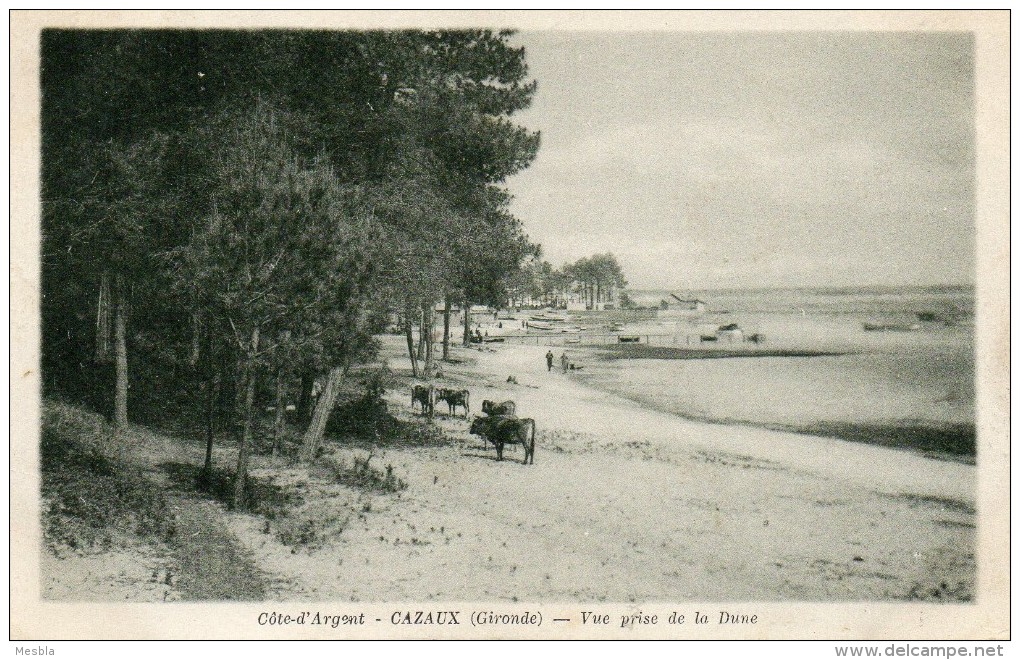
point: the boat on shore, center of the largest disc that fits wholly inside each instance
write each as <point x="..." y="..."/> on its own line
<point x="553" y="327"/>
<point x="549" y="317"/>
<point x="892" y="327"/>
<point x="550" y="322"/>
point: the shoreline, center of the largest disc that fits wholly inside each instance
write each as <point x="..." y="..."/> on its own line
<point x="644" y="351"/>
<point x="571" y="402"/>
<point x="616" y="370"/>
<point x="948" y="441"/>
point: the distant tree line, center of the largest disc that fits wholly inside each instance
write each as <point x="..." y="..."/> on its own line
<point x="596" y="279"/>
<point x="231" y="215"/>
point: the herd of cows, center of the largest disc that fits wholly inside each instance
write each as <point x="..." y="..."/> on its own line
<point x="498" y="424"/>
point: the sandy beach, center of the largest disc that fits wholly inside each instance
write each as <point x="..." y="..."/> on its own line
<point x="624" y="503"/>
<point x="627" y="504"/>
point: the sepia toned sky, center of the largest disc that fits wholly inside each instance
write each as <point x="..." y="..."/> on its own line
<point x="768" y="159"/>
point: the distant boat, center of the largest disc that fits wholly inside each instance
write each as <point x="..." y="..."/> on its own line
<point x="892" y="327"/>
<point x="546" y="316"/>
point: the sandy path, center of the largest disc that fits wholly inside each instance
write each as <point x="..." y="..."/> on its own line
<point x="625" y="504"/>
<point x="202" y="560"/>
<point x="212" y="565"/>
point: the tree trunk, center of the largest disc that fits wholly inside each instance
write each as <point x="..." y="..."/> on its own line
<point x="422" y="316"/>
<point x="212" y="383"/>
<point x="281" y="404"/>
<point x="103" y="323"/>
<point x="446" y="330"/>
<point x="427" y="328"/>
<point x="241" y="475"/>
<point x="120" y="416"/>
<point x="323" y="409"/>
<point x="196" y="340"/>
<point x="211" y="396"/>
<point x="304" y="406"/>
<point x="409" y="332"/>
<point x="467" y="323"/>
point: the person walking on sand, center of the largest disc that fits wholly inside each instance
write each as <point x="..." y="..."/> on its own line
<point x="549" y="360"/>
<point x="565" y="362"/>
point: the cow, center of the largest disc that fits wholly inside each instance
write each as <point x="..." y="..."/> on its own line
<point x="454" y="398"/>
<point x="497" y="409"/>
<point x="507" y="430"/>
<point x="424" y="395"/>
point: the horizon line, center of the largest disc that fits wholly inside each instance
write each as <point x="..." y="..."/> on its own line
<point x="840" y="287"/>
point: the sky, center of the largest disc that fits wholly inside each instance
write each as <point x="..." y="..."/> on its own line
<point x="705" y="160"/>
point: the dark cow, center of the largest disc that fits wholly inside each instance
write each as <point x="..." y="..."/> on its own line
<point x="497" y="409"/>
<point x="454" y="398"/>
<point x="507" y="430"/>
<point x="504" y="409"/>
<point x="424" y="395"/>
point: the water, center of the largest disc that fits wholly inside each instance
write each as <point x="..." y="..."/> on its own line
<point x="909" y="382"/>
<point x="830" y="319"/>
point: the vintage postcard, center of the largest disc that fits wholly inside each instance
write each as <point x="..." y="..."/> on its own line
<point x="510" y="325"/>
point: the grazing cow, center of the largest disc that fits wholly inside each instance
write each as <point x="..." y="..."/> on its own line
<point x="499" y="409"/>
<point x="507" y="430"/>
<point x="424" y="395"/>
<point x="454" y="398"/>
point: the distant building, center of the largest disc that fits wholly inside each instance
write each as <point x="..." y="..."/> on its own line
<point x="678" y="304"/>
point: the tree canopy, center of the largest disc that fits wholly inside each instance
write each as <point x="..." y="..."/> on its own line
<point x="246" y="204"/>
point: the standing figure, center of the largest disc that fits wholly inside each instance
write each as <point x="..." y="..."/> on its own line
<point x="549" y="360"/>
<point x="565" y="362"/>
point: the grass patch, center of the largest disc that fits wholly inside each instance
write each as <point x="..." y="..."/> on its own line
<point x="93" y="499"/>
<point x="262" y="496"/>
<point x="361" y="474"/>
<point x="314" y="525"/>
<point x="361" y="410"/>
<point x="362" y="417"/>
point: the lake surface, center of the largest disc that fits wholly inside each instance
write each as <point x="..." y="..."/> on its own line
<point x="889" y="383"/>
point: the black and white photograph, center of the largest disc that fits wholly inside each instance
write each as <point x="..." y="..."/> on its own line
<point x="678" y="326"/>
